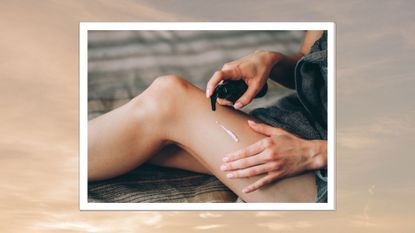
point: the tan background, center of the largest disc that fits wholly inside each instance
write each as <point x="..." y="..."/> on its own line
<point x="39" y="116"/>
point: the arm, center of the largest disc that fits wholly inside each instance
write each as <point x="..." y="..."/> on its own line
<point x="283" y="70"/>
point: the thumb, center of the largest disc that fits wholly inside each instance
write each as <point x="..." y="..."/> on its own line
<point x="263" y="128"/>
<point x="247" y="97"/>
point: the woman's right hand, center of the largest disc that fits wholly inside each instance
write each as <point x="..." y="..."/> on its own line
<point x="254" y="69"/>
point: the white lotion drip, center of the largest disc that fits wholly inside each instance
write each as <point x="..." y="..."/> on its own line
<point x="230" y="133"/>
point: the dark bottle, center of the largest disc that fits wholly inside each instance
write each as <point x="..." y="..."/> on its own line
<point x="232" y="90"/>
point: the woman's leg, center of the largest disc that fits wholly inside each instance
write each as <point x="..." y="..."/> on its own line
<point x="175" y="157"/>
<point x="172" y="110"/>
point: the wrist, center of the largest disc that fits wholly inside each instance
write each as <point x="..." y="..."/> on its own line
<point x="317" y="154"/>
<point x="269" y="57"/>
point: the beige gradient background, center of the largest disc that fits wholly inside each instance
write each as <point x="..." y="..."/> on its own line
<point x="39" y="116"/>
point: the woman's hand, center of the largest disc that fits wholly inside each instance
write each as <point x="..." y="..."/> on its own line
<point x="279" y="155"/>
<point x="254" y="69"/>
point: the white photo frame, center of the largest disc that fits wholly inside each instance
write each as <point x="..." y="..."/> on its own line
<point x="83" y="130"/>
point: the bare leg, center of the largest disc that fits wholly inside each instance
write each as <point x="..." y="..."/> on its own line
<point x="175" y="157"/>
<point x="173" y="110"/>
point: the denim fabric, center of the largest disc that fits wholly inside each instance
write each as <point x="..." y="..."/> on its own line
<point x="311" y="85"/>
<point x="304" y="113"/>
<point x="321" y="182"/>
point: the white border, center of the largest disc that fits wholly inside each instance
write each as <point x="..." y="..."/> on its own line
<point x="83" y="100"/>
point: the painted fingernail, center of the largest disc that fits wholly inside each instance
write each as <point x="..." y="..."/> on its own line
<point x="230" y="175"/>
<point x="225" y="159"/>
<point x="207" y="93"/>
<point x="223" y="167"/>
<point x="237" y="105"/>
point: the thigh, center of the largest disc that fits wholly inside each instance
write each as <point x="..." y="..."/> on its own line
<point x="174" y="156"/>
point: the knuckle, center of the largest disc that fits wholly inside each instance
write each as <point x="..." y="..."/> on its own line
<point x="268" y="157"/>
<point x="255" y="84"/>
<point x="274" y="155"/>
<point x="267" y="141"/>
<point x="240" y="164"/>
<point x="237" y="68"/>
<point x="236" y="174"/>
<point x="277" y="175"/>
<point x="242" y="154"/>
<point x="227" y="66"/>
<point x="271" y="155"/>
<point x="252" y="160"/>
<point x="256" y="171"/>
<point x="256" y="185"/>
<point x="245" y="163"/>
<point x="218" y="74"/>
<point x="261" y="183"/>
<point x="274" y="166"/>
<point x="232" y="156"/>
<point x="244" y="100"/>
<point x="236" y="164"/>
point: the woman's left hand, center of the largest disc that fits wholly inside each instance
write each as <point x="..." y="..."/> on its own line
<point x="281" y="154"/>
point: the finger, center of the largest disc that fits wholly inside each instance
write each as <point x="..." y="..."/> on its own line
<point x="217" y="77"/>
<point x="247" y="97"/>
<point x="242" y="163"/>
<point x="250" y="161"/>
<point x="264" y="129"/>
<point x="261" y="182"/>
<point x="253" y="171"/>
<point x="246" y="152"/>
<point x="224" y="102"/>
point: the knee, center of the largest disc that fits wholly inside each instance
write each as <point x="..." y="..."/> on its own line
<point x="163" y="97"/>
<point x="172" y="84"/>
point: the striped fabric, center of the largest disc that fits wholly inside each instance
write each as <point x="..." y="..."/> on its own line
<point x="121" y="64"/>
<point x="151" y="183"/>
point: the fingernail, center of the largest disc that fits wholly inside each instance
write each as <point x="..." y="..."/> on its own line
<point x="237" y="105"/>
<point x="230" y="175"/>
<point x="223" y="167"/>
<point x="245" y="190"/>
<point x="207" y="93"/>
<point x="251" y="122"/>
<point x="225" y="159"/>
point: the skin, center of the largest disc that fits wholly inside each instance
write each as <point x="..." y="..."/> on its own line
<point x="174" y="156"/>
<point x="173" y="111"/>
